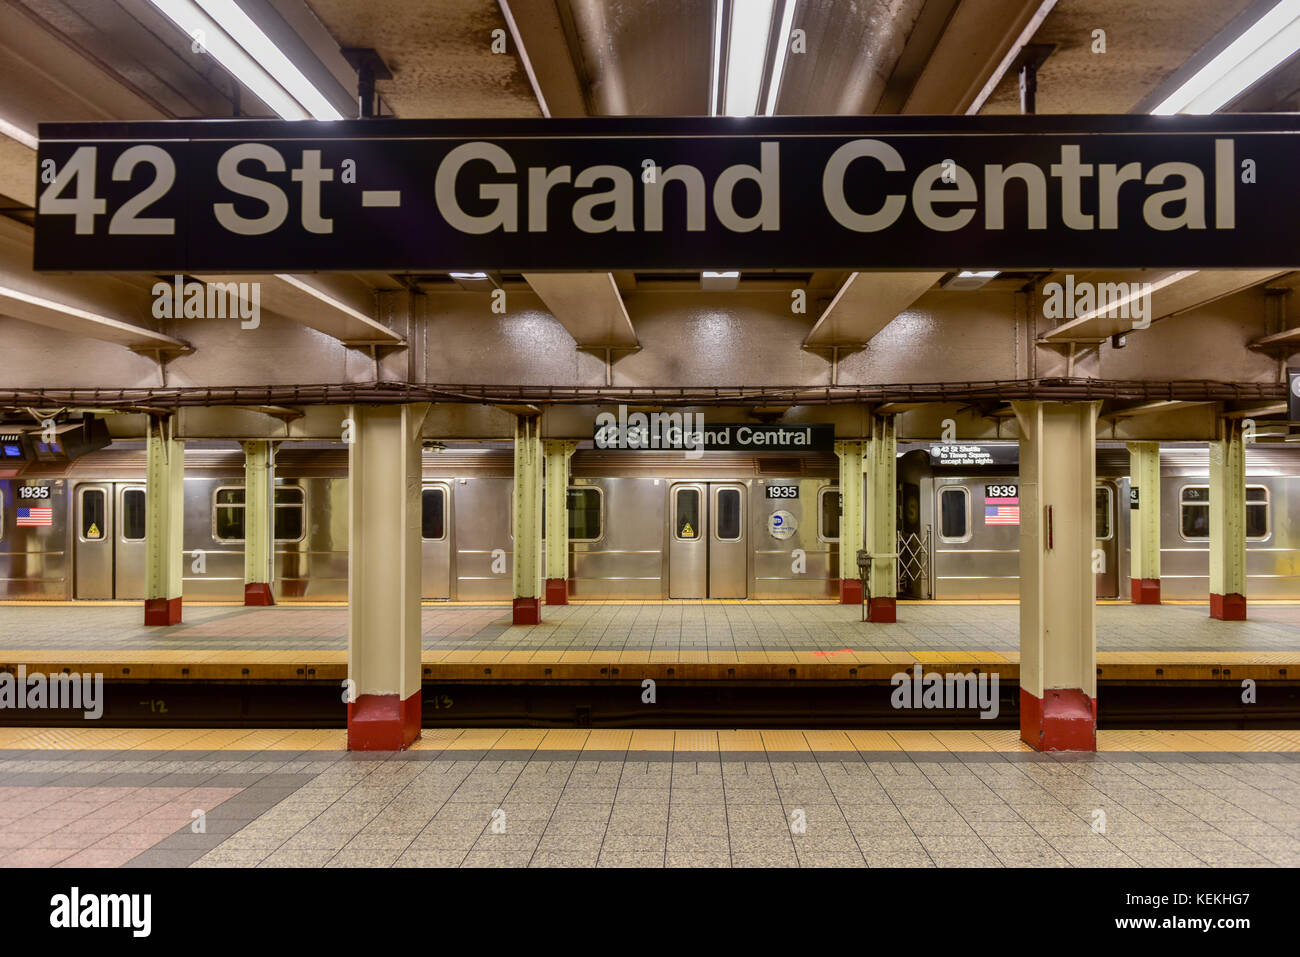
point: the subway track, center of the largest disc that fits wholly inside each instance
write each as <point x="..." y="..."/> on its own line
<point x="686" y="704"/>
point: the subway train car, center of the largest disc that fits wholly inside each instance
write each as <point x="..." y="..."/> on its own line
<point x="642" y="525"/>
<point x="729" y="525"/>
<point x="959" y="523"/>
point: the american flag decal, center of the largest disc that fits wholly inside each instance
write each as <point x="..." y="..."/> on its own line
<point x="35" y="517"/>
<point x="1002" y="511"/>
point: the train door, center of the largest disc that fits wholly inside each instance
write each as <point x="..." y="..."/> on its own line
<point x="93" y="542"/>
<point x="435" y="541"/>
<point x="109" y="543"/>
<point x="708" y="554"/>
<point x="129" y="551"/>
<point x="1107" y="543"/>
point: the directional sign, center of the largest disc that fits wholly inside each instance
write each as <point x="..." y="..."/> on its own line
<point x="695" y="193"/>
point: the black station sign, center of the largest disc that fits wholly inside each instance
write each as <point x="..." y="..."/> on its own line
<point x="1293" y="395"/>
<point x="1021" y="192"/>
<point x="953" y="454"/>
<point x="689" y="433"/>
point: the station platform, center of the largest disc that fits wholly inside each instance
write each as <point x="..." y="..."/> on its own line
<point x="641" y="798"/>
<point x="603" y="640"/>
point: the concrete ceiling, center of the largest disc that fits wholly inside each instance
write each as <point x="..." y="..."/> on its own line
<point x="440" y="54"/>
<point x="1146" y="44"/>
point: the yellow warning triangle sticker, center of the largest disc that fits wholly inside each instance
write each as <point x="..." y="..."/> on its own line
<point x="93" y="531"/>
<point x="687" y="531"/>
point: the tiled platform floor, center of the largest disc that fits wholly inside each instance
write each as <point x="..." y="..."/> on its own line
<point x="653" y="799"/>
<point x="659" y="627"/>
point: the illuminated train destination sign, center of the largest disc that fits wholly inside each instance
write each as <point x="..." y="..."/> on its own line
<point x="1027" y="192"/>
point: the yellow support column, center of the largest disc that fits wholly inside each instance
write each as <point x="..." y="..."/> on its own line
<point x="1144" y="521"/>
<point x="850" y="455"/>
<point x="384" y="473"/>
<point x="1058" y="590"/>
<point x="1228" y="523"/>
<point x="528" y="520"/>
<point x="164" y="523"/>
<point x="259" y="522"/>
<point x="558" y="455"/>
<point x="882" y="520"/>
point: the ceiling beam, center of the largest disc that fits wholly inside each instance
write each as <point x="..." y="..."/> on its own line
<point x="97" y="306"/>
<point x="865" y="304"/>
<point x="337" y="304"/>
<point x="979" y="37"/>
<point x="589" y="306"/>
<point x="1149" y="408"/>
<point x="545" y="55"/>
<point x="1171" y="293"/>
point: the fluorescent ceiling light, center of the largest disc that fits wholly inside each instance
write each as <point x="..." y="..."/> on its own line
<point x="746" y="53"/>
<point x="782" y="50"/>
<point x="240" y="46"/>
<point x="978" y="274"/>
<point x="468" y="275"/>
<point x="719" y="279"/>
<point x="19" y="134"/>
<point x="1266" y="43"/>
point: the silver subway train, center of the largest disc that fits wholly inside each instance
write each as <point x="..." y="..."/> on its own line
<point x="643" y="525"/>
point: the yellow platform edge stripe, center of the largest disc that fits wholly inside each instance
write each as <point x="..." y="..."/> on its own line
<point x="541" y="741"/>
<point x="588" y="656"/>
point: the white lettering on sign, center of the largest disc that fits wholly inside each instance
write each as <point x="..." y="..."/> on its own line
<point x="618" y="189"/>
<point x="1186" y="197"/>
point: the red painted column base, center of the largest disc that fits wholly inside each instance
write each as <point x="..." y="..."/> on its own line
<point x="528" y="611"/>
<point x="883" y="610"/>
<point x="383" y="722"/>
<point x="557" y="591"/>
<point x="162" y="611"/>
<point x="1064" y="719"/>
<point x="850" y="591"/>
<point x="1146" y="591"/>
<point x="1228" y="607"/>
<point x="258" y="593"/>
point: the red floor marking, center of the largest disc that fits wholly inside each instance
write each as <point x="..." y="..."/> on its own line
<point x="106" y="826"/>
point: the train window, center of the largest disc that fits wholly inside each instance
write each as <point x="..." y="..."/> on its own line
<point x="92" y="514"/>
<point x="1103" y="513"/>
<point x="290" y="513"/>
<point x="686" y="514"/>
<point x="1256" y="512"/>
<point x="727" y="515"/>
<point x="1194" y="505"/>
<point x="585" y="519"/>
<point x="228" y="514"/>
<point x="954" y="513"/>
<point x="1194" y="511"/>
<point x="433" y="513"/>
<point x="829" y="499"/>
<point x="133" y="515"/>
